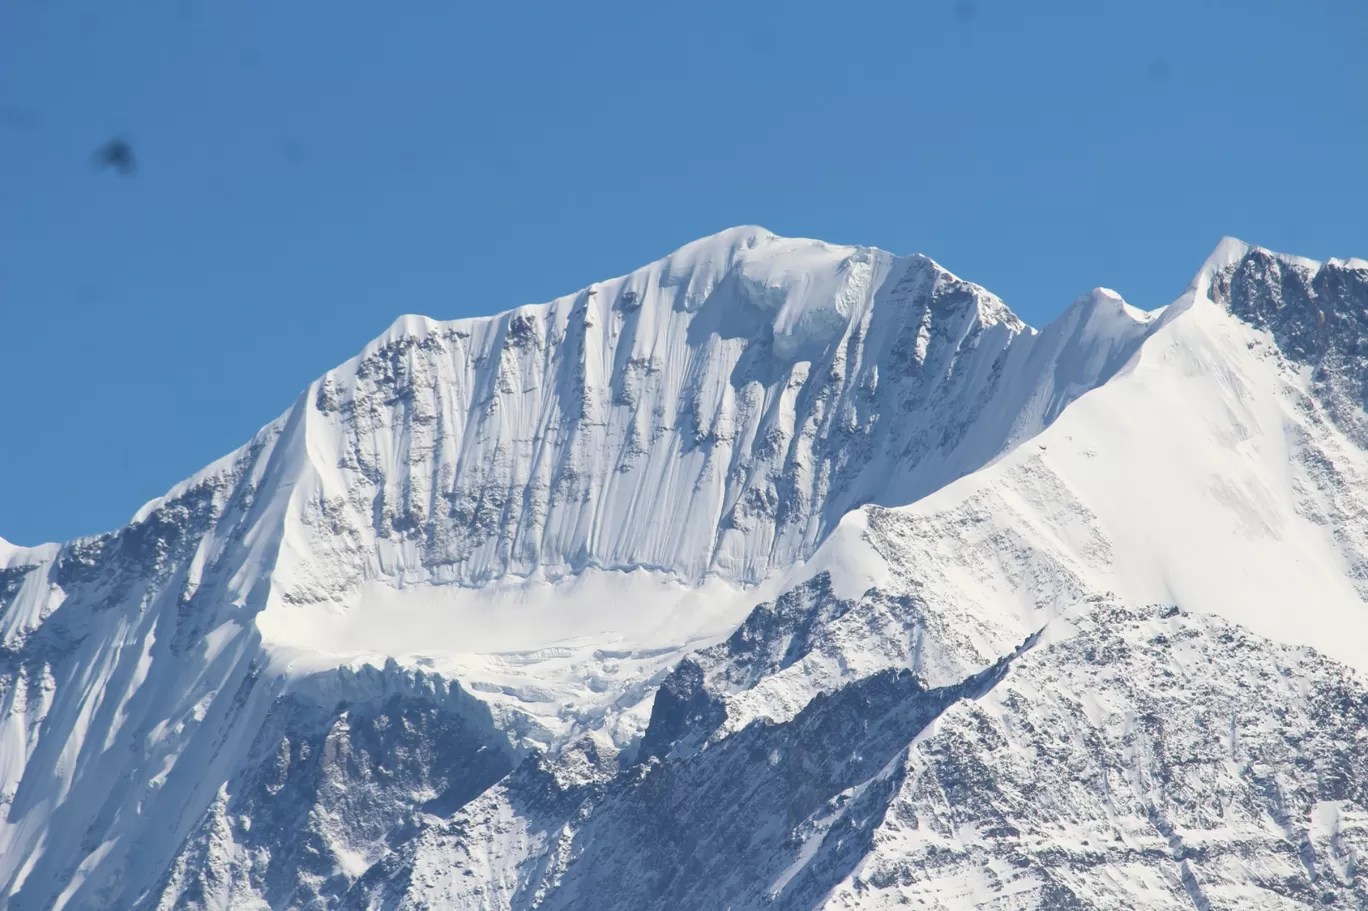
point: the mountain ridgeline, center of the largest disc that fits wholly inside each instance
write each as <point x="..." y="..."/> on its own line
<point x="775" y="574"/>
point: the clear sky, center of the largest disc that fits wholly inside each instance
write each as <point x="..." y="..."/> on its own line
<point x="308" y="171"/>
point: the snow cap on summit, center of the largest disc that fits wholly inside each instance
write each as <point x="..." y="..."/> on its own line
<point x="1228" y="252"/>
<point x="1231" y="250"/>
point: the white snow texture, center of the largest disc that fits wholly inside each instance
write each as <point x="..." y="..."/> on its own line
<point x="775" y="574"/>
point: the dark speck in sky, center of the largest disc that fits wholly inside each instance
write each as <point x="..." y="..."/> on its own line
<point x="965" y="10"/>
<point x="117" y="154"/>
<point x="1159" y="69"/>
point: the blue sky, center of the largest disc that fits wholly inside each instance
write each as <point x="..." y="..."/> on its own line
<point x="308" y="171"/>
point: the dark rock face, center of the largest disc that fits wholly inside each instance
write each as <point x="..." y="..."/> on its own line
<point x="1150" y="749"/>
<point x="687" y="708"/>
<point x="1160" y="739"/>
<point x="1318" y="318"/>
<point x="719" y="827"/>
<point x="683" y="713"/>
<point x="329" y="791"/>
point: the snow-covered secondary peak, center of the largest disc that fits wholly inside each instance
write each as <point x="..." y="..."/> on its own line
<point x="839" y="492"/>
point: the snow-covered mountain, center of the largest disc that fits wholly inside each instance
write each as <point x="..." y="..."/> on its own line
<point x="774" y="574"/>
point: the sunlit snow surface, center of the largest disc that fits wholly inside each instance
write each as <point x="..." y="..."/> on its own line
<point x="580" y="655"/>
<point x="819" y="519"/>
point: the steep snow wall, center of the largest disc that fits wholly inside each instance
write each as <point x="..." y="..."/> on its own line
<point x="710" y="420"/>
<point x="715" y="413"/>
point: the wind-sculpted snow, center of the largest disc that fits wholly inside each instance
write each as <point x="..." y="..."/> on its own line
<point x="774" y="574"/>
<point x="755" y="388"/>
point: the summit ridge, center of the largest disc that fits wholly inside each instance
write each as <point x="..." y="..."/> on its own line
<point x="773" y="574"/>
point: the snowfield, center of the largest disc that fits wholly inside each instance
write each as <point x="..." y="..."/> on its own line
<point x="775" y="574"/>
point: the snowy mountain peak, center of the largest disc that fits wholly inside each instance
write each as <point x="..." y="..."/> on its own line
<point x="1258" y="264"/>
<point x="1104" y="303"/>
<point x="762" y="385"/>
<point x="1316" y="314"/>
<point x="1229" y="251"/>
<point x="767" y="575"/>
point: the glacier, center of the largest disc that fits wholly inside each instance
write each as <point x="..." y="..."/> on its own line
<point x="775" y="574"/>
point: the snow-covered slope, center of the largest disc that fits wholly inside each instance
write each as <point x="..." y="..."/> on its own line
<point x="754" y="388"/>
<point x="475" y="623"/>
